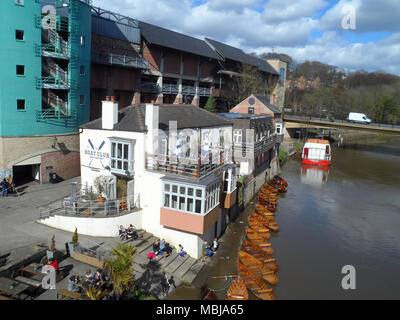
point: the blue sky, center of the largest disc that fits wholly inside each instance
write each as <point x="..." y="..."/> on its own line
<point x="304" y="29"/>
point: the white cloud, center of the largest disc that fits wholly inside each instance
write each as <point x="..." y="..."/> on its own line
<point x="286" y="25"/>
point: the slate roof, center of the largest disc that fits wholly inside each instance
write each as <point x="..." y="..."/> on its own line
<point x="265" y="101"/>
<point x="175" y="40"/>
<point x="132" y="118"/>
<point x="235" y="54"/>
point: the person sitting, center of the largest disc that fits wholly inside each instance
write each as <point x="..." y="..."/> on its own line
<point x="209" y="252"/>
<point x="132" y="233"/>
<point x="72" y="284"/>
<point x="156" y="247"/>
<point x="122" y="233"/>
<point x="89" y="274"/>
<point x="99" y="279"/>
<point x="87" y="283"/>
<point x="181" y="252"/>
<point x="163" y="248"/>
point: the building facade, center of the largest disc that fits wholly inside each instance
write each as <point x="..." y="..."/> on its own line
<point x="45" y="86"/>
<point x="177" y="158"/>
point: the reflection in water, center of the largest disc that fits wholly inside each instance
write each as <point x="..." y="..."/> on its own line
<point x="314" y="175"/>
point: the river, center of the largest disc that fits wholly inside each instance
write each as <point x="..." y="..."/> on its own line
<point x="348" y="215"/>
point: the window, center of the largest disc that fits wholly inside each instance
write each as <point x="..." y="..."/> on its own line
<point x="282" y="75"/>
<point x="21" y="104"/>
<point x="82" y="70"/>
<point x="229" y="180"/>
<point x="237" y="136"/>
<point x="19" y="35"/>
<point x="19" y="2"/>
<point x="82" y="99"/>
<point x="121" y="159"/>
<point x="279" y="128"/>
<point x="183" y="198"/>
<point x="20" y="70"/>
<point x="82" y="41"/>
<point x="250" y="110"/>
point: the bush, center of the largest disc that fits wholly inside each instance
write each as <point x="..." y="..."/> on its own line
<point x="283" y="155"/>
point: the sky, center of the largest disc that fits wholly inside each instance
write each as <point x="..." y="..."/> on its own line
<point x="353" y="35"/>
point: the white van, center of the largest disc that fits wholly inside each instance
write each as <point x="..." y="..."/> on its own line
<point x="358" y="118"/>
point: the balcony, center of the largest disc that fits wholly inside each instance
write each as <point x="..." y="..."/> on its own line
<point x="54" y="116"/>
<point x="150" y="87"/>
<point x="181" y="166"/>
<point x="121" y="60"/>
<point x="252" y="148"/>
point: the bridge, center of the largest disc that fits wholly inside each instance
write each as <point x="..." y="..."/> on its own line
<point x="314" y="122"/>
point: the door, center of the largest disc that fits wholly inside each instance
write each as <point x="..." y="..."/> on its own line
<point x="130" y="194"/>
<point x="110" y="187"/>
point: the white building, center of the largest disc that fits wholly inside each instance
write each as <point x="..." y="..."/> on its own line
<point x="176" y="159"/>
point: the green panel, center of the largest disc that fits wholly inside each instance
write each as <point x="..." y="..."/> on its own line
<point x="81" y="26"/>
<point x="13" y="53"/>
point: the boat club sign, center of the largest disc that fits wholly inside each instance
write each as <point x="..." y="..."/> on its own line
<point x="95" y="155"/>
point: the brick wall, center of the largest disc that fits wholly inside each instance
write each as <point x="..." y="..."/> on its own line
<point x="66" y="165"/>
<point x="153" y="54"/>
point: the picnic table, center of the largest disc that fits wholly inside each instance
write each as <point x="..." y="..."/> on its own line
<point x="5" y="286"/>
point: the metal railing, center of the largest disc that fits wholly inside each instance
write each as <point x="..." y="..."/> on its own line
<point x="56" y="102"/>
<point x="122" y="60"/>
<point x="259" y="146"/>
<point x="91" y="208"/>
<point x="194" y="168"/>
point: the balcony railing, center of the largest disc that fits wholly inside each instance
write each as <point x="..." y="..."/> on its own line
<point x="152" y="87"/>
<point x="181" y="166"/>
<point x="126" y="61"/>
<point x="249" y="148"/>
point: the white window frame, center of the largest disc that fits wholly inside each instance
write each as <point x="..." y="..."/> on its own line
<point x="115" y="158"/>
<point x="237" y="136"/>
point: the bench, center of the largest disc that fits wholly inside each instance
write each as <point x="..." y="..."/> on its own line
<point x="31" y="282"/>
<point x="88" y="260"/>
<point x="4" y="298"/>
<point x="63" y="293"/>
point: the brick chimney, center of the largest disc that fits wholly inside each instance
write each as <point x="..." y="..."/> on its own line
<point x="109" y="113"/>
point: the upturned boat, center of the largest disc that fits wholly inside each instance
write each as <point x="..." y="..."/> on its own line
<point x="258" y="239"/>
<point x="259" y="228"/>
<point x="237" y="291"/>
<point x="265" y="221"/>
<point x="261" y="254"/>
<point x="259" y="268"/>
<point x="255" y="283"/>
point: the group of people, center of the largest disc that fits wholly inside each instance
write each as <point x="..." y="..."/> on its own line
<point x="210" y="249"/>
<point x="161" y="247"/>
<point x="166" y="283"/>
<point x="128" y="233"/>
<point x="97" y="280"/>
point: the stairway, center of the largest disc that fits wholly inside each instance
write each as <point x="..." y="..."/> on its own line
<point x="148" y="272"/>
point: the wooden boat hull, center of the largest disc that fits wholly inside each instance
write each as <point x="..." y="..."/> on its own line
<point x="261" y="254"/>
<point x="255" y="283"/>
<point x="208" y="294"/>
<point x="265" y="222"/>
<point x="237" y="291"/>
<point x="259" y="268"/>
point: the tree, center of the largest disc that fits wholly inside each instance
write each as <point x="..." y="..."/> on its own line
<point x="386" y="110"/>
<point x="251" y="81"/>
<point x="120" y="268"/>
<point x="210" y="105"/>
<point x="75" y="237"/>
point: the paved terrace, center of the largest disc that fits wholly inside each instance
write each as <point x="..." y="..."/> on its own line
<point x="19" y="231"/>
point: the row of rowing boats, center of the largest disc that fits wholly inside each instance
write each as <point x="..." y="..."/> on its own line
<point x="256" y="267"/>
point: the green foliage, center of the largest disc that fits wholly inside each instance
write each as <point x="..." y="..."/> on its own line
<point x="210" y="105"/>
<point x="386" y="110"/>
<point x="120" y="268"/>
<point x="283" y="155"/>
<point x="75" y="237"/>
<point x="93" y="293"/>
<point x="298" y="146"/>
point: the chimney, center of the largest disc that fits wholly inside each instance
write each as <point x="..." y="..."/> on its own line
<point x="272" y="99"/>
<point x="151" y="122"/>
<point x="109" y="113"/>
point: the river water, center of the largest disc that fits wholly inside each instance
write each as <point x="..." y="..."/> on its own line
<point x="348" y="215"/>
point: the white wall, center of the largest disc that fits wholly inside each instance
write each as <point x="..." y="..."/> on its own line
<point x="95" y="227"/>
